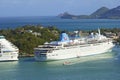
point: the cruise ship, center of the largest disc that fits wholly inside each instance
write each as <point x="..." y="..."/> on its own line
<point x="68" y="47"/>
<point x="8" y="51"/>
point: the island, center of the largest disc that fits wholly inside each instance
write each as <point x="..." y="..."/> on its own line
<point x="102" y="13"/>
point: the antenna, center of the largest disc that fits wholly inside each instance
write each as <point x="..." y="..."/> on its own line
<point x="76" y="33"/>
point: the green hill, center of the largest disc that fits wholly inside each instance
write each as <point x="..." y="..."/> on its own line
<point x="112" y="13"/>
<point x="102" y="13"/>
<point x="99" y="12"/>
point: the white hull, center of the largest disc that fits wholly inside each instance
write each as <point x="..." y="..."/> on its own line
<point x="76" y="51"/>
<point x="8" y="51"/>
<point x="8" y="57"/>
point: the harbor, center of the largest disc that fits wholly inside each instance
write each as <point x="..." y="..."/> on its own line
<point x="59" y="40"/>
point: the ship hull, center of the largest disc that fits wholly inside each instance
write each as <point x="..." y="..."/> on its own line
<point x="8" y="57"/>
<point x="75" y="51"/>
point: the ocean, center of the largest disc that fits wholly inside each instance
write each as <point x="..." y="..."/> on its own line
<point x="96" y="67"/>
<point x="62" y="24"/>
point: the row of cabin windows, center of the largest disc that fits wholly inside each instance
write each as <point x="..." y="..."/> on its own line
<point x="53" y="55"/>
<point x="43" y="55"/>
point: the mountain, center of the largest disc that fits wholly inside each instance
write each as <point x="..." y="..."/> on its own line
<point x="99" y="12"/>
<point x="112" y="14"/>
<point x="102" y="13"/>
<point x="67" y="15"/>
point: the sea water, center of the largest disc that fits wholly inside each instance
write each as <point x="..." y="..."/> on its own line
<point x="96" y="67"/>
<point x="62" y="24"/>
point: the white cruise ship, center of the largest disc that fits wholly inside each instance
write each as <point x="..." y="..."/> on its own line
<point x="8" y="51"/>
<point x="75" y="47"/>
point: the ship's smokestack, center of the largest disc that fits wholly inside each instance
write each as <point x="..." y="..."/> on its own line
<point x="64" y="37"/>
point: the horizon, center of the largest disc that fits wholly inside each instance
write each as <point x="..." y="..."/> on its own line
<point x="24" y="8"/>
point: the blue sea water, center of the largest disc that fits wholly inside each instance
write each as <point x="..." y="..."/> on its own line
<point x="63" y="24"/>
<point x="97" y="67"/>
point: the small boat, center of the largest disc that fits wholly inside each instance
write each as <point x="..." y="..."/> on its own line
<point x="66" y="63"/>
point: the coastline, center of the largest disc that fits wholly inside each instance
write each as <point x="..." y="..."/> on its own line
<point x="24" y="56"/>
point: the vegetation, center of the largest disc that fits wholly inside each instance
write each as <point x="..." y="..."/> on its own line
<point x="99" y="12"/>
<point x="28" y="37"/>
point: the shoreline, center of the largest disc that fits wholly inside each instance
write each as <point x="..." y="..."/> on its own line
<point x="24" y="56"/>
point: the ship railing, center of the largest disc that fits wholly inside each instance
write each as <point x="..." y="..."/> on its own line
<point x="87" y="42"/>
<point x="50" y="46"/>
<point x="43" y="48"/>
<point x="98" y="41"/>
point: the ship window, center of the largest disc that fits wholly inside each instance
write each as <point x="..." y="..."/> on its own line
<point x="6" y="51"/>
<point x="53" y="55"/>
<point x="43" y="51"/>
<point x="0" y="55"/>
<point x="42" y="55"/>
<point x="2" y="46"/>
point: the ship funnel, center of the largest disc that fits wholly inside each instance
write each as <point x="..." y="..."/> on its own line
<point x="64" y="37"/>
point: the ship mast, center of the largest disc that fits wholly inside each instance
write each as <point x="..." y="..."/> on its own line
<point x="99" y="31"/>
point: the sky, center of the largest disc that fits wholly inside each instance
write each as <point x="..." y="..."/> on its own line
<point x="10" y="8"/>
